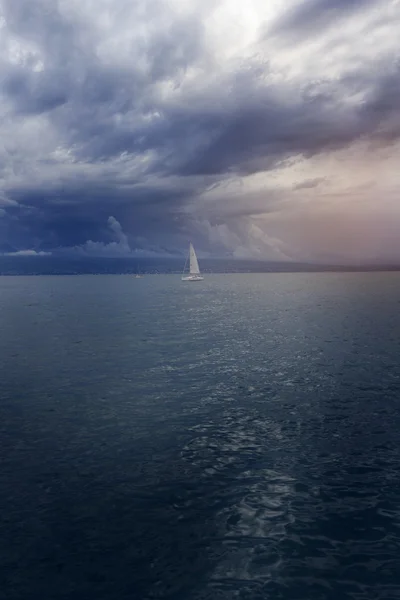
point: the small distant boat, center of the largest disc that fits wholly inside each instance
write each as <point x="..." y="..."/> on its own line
<point x="138" y="275"/>
<point x="194" y="271"/>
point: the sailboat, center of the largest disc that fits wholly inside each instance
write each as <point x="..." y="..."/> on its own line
<point x="138" y="274"/>
<point x="194" y="271"/>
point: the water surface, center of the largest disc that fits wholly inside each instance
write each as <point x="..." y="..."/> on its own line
<point x="236" y="438"/>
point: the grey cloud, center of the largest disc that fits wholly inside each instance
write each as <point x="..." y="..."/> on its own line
<point x="140" y="246"/>
<point x="177" y="47"/>
<point x="70" y="215"/>
<point x="115" y="226"/>
<point x="27" y="253"/>
<point x="95" y="131"/>
<point x="259" y="134"/>
<point x="118" y="247"/>
<point x="309" y="183"/>
<point x="310" y="17"/>
<point x="32" y="93"/>
<point x="242" y="238"/>
<point x="246" y="124"/>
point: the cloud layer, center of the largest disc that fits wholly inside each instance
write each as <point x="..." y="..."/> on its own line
<point x="243" y="128"/>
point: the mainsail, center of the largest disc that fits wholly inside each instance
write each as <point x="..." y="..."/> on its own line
<point x="194" y="271"/>
<point x="194" y="265"/>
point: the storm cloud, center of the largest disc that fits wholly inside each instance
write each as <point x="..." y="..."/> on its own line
<point x="194" y="120"/>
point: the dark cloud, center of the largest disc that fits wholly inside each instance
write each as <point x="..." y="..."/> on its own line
<point x="260" y="133"/>
<point x="79" y="211"/>
<point x="309" y="183"/>
<point x="310" y="17"/>
<point x="32" y="94"/>
<point x="102" y="122"/>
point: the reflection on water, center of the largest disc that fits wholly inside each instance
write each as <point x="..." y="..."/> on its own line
<point x="237" y="439"/>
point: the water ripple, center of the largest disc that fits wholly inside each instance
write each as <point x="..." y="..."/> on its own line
<point x="233" y="440"/>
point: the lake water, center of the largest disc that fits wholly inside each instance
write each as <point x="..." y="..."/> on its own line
<point x="236" y="438"/>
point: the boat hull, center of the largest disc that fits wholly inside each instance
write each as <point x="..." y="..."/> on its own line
<point x="193" y="278"/>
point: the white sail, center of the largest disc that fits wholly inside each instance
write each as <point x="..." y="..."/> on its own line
<point x="194" y="271"/>
<point x="194" y="265"/>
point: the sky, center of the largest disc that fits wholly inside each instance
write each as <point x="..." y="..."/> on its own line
<point x="255" y="129"/>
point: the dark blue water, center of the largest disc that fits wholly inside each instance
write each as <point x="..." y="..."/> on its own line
<point x="237" y="438"/>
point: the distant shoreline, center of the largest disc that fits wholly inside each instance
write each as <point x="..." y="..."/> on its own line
<point x="63" y="273"/>
<point x="56" y="265"/>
